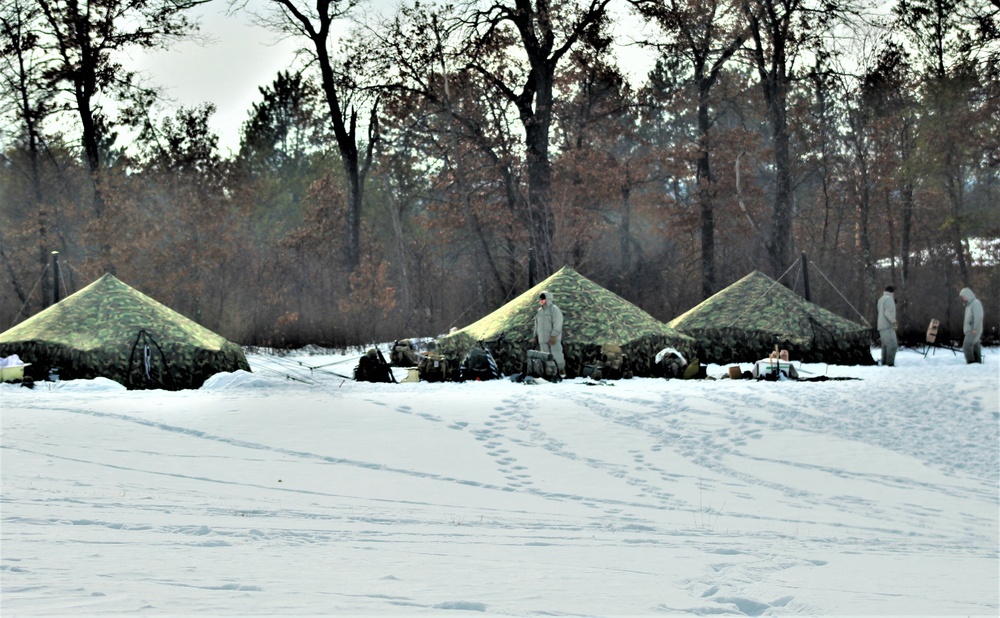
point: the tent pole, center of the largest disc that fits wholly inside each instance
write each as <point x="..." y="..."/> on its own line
<point x="531" y="267"/>
<point x="805" y="276"/>
<point x="55" y="277"/>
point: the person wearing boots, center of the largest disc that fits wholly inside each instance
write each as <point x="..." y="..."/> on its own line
<point x="548" y="330"/>
<point x="887" y="326"/>
<point x="972" y="326"/>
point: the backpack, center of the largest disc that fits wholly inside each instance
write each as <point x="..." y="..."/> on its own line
<point x="434" y="368"/>
<point x="613" y="365"/>
<point x="479" y="365"/>
<point x="404" y="354"/>
<point x="541" y="365"/>
<point x="373" y="368"/>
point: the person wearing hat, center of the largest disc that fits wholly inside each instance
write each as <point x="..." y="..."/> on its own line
<point x="972" y="326"/>
<point x="887" y="326"/>
<point x="548" y="329"/>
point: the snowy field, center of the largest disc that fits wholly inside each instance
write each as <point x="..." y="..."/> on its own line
<point x="261" y="494"/>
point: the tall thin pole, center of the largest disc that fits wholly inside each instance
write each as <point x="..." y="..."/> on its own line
<point x="56" y="277"/>
<point x="805" y="276"/>
<point x="531" y="267"/>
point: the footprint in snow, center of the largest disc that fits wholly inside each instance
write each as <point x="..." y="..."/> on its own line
<point x="748" y="607"/>
<point x="468" y="606"/>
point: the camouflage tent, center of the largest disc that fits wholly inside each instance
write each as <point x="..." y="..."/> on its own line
<point x="593" y="317"/>
<point x="739" y="324"/>
<point x="112" y="330"/>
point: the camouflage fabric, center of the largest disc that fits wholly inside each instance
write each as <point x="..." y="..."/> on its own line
<point x="739" y="324"/>
<point x="594" y="317"/>
<point x="111" y="330"/>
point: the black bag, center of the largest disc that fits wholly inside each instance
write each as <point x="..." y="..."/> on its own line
<point x="542" y="365"/>
<point x="479" y="365"/>
<point x="373" y="368"/>
<point x="670" y="364"/>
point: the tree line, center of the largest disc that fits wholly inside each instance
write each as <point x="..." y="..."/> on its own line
<point x="433" y="162"/>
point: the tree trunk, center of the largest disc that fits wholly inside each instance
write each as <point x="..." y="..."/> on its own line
<point x="626" y="226"/>
<point x="42" y="213"/>
<point x="354" y="203"/>
<point x="905" y="247"/>
<point x="473" y="227"/>
<point x="395" y="211"/>
<point x="537" y="23"/>
<point x="18" y="289"/>
<point x="541" y="222"/>
<point x="864" y="233"/>
<point x="770" y="30"/>
<point x="779" y="243"/>
<point x="345" y="132"/>
<point x="706" y="194"/>
<point x="954" y="180"/>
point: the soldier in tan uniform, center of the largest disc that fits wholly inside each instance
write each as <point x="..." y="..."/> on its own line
<point x="887" y="326"/>
<point x="548" y="329"/>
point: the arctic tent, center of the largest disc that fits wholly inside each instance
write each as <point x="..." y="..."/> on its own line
<point x="741" y="323"/>
<point x="593" y="317"/>
<point x="109" y="329"/>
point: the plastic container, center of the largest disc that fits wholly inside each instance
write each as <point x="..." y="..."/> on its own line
<point x="12" y="373"/>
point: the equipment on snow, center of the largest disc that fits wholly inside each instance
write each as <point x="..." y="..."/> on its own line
<point x="541" y="365"/>
<point x="372" y="367"/>
<point x="479" y="365"/>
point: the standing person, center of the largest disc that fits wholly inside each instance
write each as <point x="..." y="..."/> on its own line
<point x="972" y="326"/>
<point x="887" y="326"/>
<point x="548" y="329"/>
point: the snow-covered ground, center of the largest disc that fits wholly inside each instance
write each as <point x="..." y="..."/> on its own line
<point x="292" y="491"/>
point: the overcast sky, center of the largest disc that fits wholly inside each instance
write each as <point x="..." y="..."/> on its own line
<point x="239" y="58"/>
<point x="227" y="70"/>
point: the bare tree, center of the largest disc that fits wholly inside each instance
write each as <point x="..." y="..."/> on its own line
<point x="707" y="33"/>
<point x="542" y="33"/>
<point x="774" y="49"/>
<point x="315" y="22"/>
<point x="27" y="100"/>
<point x="417" y="58"/>
<point x="957" y="45"/>
<point x="84" y="37"/>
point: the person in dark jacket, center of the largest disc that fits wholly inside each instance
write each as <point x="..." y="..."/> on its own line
<point x="548" y="329"/>
<point x="972" y="326"/>
<point x="887" y="326"/>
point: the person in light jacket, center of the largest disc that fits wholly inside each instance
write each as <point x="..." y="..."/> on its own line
<point x="972" y="326"/>
<point x="548" y="329"/>
<point x="887" y="326"/>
